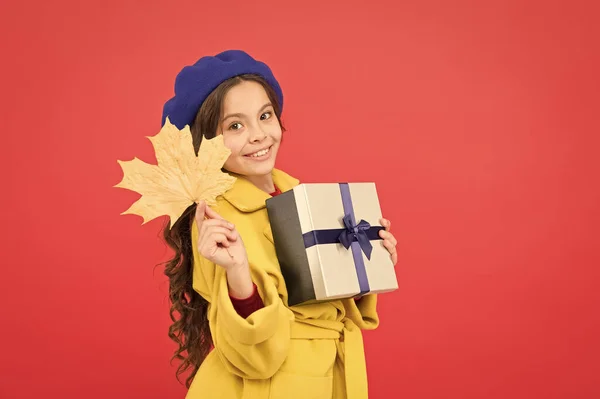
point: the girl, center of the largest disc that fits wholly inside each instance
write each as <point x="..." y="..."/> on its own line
<point x="234" y="329"/>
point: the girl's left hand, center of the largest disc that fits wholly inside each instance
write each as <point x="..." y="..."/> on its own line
<point x="389" y="242"/>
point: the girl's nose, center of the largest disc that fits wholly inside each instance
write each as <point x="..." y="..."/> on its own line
<point x="257" y="134"/>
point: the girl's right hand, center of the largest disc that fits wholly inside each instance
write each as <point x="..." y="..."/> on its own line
<point x="218" y="240"/>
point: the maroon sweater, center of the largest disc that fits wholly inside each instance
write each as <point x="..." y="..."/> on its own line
<point x="245" y="307"/>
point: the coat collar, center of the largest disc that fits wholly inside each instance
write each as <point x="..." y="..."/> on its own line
<point x="246" y="197"/>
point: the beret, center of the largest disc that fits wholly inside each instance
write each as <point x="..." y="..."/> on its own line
<point x="195" y="82"/>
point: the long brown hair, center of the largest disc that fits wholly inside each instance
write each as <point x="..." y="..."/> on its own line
<point x="189" y="311"/>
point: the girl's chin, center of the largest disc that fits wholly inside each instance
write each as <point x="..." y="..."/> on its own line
<point x="251" y="169"/>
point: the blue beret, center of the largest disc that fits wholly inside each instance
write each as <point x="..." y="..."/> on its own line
<point x="195" y="82"/>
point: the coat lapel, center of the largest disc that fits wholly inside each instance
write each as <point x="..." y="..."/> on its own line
<point x="246" y="197"/>
<point x="269" y="233"/>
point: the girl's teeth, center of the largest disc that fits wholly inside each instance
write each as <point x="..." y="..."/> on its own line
<point x="260" y="153"/>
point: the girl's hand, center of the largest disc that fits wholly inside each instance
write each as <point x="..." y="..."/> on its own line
<point x="218" y="240"/>
<point x="389" y="242"/>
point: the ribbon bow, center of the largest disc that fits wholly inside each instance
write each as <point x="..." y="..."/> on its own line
<point x="356" y="232"/>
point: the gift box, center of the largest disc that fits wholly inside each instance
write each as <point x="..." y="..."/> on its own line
<point x="326" y="237"/>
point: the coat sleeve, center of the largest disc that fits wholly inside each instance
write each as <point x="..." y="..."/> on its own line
<point x="363" y="312"/>
<point x="253" y="347"/>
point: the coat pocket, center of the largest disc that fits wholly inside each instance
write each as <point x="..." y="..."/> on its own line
<point x="285" y="385"/>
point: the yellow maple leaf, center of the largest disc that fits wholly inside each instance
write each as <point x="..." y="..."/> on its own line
<point x="180" y="179"/>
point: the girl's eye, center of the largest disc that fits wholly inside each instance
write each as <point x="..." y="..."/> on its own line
<point x="266" y="115"/>
<point x="235" y="126"/>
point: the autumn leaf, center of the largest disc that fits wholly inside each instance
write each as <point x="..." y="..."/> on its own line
<point x="180" y="179"/>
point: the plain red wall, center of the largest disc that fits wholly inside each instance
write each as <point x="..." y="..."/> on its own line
<point x="478" y="121"/>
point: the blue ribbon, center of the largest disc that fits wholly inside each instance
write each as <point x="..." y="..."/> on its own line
<point x="356" y="236"/>
<point x="343" y="236"/>
<point x="356" y="233"/>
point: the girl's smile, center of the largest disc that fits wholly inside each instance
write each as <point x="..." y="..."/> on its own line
<point x="260" y="155"/>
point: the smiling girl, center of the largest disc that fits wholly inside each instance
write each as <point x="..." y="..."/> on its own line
<point x="232" y="322"/>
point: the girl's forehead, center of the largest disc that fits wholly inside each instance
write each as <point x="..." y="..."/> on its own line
<point x="246" y="95"/>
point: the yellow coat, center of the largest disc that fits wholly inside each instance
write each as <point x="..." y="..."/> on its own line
<point x="306" y="351"/>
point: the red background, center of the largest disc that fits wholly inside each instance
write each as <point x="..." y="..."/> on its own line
<point x="478" y="121"/>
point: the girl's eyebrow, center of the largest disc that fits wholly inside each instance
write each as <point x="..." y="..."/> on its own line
<point x="239" y="115"/>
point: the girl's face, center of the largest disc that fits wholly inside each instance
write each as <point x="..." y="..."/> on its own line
<point x="250" y="130"/>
